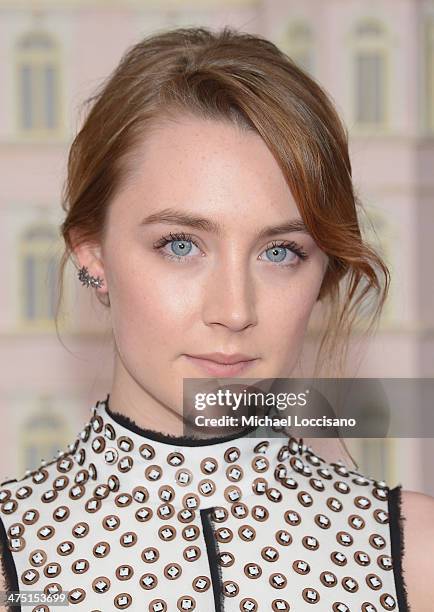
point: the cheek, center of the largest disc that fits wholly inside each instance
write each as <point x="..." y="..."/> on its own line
<point x="291" y="314"/>
<point x="148" y="310"/>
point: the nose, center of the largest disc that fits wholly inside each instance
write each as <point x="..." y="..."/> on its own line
<point x="229" y="296"/>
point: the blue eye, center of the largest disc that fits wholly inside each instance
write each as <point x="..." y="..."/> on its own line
<point x="179" y="245"/>
<point x="279" y="250"/>
<point x="281" y="253"/>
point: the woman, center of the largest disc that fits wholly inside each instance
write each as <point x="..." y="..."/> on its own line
<point x="209" y="205"/>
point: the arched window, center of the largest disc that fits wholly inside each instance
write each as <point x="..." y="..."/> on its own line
<point x="370" y="74"/>
<point x="429" y="74"/>
<point x="39" y="274"/>
<point x="297" y="42"/>
<point x="38" y="88"/>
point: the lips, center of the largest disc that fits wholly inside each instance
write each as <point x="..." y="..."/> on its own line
<point x="217" y="368"/>
<point x="224" y="358"/>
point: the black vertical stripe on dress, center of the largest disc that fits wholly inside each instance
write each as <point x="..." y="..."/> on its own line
<point x="214" y="566"/>
<point x="397" y="544"/>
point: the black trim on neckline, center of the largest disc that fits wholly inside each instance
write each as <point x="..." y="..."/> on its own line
<point x="158" y="436"/>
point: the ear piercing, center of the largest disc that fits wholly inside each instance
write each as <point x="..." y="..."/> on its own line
<point x="88" y="280"/>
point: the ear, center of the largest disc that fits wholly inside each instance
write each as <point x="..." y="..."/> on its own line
<point x="89" y="254"/>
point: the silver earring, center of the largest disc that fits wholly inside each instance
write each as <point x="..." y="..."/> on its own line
<point x="87" y="279"/>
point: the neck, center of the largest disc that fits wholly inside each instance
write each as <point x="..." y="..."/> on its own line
<point x="129" y="399"/>
<point x="135" y="408"/>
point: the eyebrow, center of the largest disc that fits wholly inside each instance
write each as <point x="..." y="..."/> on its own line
<point x="176" y="217"/>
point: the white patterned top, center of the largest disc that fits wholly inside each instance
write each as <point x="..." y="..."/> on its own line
<point x="131" y="519"/>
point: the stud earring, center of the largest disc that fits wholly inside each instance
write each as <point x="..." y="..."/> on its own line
<point x="88" y="280"/>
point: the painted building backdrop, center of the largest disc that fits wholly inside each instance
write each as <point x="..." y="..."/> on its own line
<point x="376" y="59"/>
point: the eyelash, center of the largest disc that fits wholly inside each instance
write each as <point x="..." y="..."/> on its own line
<point x="182" y="236"/>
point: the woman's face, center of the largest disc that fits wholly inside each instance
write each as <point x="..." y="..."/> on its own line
<point x="231" y="291"/>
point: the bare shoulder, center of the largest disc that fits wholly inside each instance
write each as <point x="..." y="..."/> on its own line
<point x="418" y="560"/>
